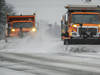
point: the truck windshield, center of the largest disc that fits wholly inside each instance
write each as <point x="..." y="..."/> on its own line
<point x="86" y="19"/>
<point x="23" y="24"/>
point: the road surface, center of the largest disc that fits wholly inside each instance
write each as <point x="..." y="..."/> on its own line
<point x="49" y="64"/>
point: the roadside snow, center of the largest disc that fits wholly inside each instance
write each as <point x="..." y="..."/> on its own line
<point x="2" y="44"/>
<point x="5" y="71"/>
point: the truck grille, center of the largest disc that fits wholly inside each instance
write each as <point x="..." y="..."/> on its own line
<point x="92" y="31"/>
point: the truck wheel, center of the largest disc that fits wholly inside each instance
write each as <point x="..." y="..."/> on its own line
<point x="66" y="42"/>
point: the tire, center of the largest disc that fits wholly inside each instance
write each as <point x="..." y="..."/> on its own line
<point x="66" y="42"/>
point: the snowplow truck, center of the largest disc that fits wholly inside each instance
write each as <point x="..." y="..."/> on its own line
<point x="81" y="25"/>
<point x="18" y="24"/>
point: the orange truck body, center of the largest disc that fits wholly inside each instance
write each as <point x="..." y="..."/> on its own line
<point x="15" y="22"/>
<point x="81" y="25"/>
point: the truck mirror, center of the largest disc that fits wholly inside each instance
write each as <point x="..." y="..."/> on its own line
<point x="66" y="22"/>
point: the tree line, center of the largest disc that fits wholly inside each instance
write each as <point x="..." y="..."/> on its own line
<point x="5" y="9"/>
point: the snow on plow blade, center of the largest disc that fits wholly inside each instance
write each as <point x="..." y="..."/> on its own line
<point x="82" y="42"/>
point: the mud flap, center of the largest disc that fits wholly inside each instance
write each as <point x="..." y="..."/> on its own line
<point x="20" y="34"/>
<point x="82" y="42"/>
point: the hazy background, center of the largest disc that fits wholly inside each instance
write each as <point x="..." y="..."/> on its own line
<point x="49" y="10"/>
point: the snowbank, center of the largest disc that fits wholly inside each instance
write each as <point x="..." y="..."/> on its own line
<point x="2" y="44"/>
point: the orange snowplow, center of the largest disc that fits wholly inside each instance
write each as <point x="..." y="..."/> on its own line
<point x="81" y="25"/>
<point x="20" y="24"/>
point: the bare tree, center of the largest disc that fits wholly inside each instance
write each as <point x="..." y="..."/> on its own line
<point x="87" y="1"/>
<point x="4" y="9"/>
<point x="10" y="9"/>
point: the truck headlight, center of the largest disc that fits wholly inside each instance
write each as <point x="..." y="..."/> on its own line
<point x="33" y="29"/>
<point x="99" y="26"/>
<point x="13" y="30"/>
<point x="74" y="25"/>
<point x="70" y="34"/>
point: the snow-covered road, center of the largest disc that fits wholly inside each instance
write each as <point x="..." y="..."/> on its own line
<point x="49" y="64"/>
<point x="44" y="54"/>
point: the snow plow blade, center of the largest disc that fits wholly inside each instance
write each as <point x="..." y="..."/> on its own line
<point x="82" y="42"/>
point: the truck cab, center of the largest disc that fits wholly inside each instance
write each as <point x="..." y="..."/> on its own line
<point x="19" y="24"/>
<point x="81" y="25"/>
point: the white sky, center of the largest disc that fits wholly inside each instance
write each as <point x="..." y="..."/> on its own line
<point x="49" y="10"/>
